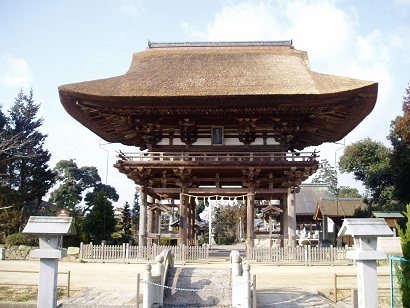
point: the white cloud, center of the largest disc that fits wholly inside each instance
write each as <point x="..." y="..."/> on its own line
<point x="399" y="41"/>
<point x="15" y="72"/>
<point x="402" y="2"/>
<point x="189" y="28"/>
<point x="328" y="33"/>
<point x="320" y="28"/>
<point x="244" y="22"/>
<point x="370" y="49"/>
<point x="335" y="42"/>
<point x="130" y="7"/>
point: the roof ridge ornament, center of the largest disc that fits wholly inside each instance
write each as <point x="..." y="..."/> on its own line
<point x="218" y="44"/>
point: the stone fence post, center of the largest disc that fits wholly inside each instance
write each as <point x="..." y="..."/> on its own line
<point x="241" y="291"/>
<point x="158" y="274"/>
<point x="2" y="253"/>
<point x="148" y="296"/>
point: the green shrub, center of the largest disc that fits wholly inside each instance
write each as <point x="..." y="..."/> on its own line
<point x="405" y="266"/>
<point x="167" y="242"/>
<point x="72" y="241"/>
<point x="2" y="238"/>
<point x="21" y="239"/>
<point x="305" y="242"/>
<point x="225" y="240"/>
<point x="204" y="239"/>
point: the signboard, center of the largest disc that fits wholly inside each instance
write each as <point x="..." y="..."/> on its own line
<point x="217" y="135"/>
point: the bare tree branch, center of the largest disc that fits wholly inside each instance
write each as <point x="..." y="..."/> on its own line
<point x="10" y="143"/>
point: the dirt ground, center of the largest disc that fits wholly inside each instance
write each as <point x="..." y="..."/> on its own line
<point x="276" y="286"/>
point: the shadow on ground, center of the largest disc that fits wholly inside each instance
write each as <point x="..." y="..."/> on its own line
<point x="290" y="297"/>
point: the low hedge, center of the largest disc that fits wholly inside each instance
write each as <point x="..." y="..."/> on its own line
<point x="21" y="239"/>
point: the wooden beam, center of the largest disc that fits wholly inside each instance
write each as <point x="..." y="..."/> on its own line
<point x="218" y="191"/>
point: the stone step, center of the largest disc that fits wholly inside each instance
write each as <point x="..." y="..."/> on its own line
<point x="198" y="287"/>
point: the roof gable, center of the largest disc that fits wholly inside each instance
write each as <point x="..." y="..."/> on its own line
<point x="341" y="207"/>
<point x="364" y="227"/>
<point x="309" y="195"/>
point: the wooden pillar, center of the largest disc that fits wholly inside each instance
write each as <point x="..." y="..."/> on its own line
<point x="142" y="234"/>
<point x="194" y="237"/>
<point x="192" y="222"/>
<point x="284" y="222"/>
<point x="188" y="221"/>
<point x="270" y="229"/>
<point x="171" y="217"/>
<point x="150" y="225"/>
<point x="158" y="224"/>
<point x="325" y="226"/>
<point x="182" y="218"/>
<point x="291" y="218"/>
<point x="150" y="221"/>
<point x="250" y="209"/>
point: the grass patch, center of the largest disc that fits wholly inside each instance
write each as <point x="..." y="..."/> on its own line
<point x="24" y="293"/>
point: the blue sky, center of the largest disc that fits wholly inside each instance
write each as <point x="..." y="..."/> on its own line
<point x="45" y="44"/>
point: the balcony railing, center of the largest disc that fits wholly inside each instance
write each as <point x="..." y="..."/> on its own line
<point x="219" y="156"/>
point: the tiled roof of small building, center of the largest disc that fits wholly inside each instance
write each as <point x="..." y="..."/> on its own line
<point x="342" y="207"/>
<point x="387" y="214"/>
<point x="309" y="195"/>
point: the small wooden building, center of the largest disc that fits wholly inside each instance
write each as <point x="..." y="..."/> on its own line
<point x="390" y="218"/>
<point x="306" y="200"/>
<point x="224" y="119"/>
<point x="332" y="211"/>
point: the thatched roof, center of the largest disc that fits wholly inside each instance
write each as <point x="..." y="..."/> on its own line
<point x="342" y="207"/>
<point x="224" y="71"/>
<point x="238" y="80"/>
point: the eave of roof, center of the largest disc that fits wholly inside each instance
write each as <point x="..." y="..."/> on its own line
<point x="387" y="214"/>
<point x="344" y="208"/>
<point x="204" y="77"/>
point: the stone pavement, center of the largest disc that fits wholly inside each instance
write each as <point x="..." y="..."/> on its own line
<point x="115" y="284"/>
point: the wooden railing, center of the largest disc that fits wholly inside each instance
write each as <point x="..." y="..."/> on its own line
<point x="127" y="253"/>
<point x="302" y="255"/>
<point x="349" y="282"/>
<point x="219" y="156"/>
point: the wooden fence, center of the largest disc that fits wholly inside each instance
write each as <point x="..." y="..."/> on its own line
<point x="127" y="253"/>
<point x="300" y="255"/>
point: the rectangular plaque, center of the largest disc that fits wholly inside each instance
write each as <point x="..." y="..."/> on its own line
<point x="217" y="135"/>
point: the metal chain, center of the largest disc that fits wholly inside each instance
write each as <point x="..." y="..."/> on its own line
<point x="191" y="290"/>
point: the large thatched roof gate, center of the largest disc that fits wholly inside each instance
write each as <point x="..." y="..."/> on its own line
<point x="219" y="119"/>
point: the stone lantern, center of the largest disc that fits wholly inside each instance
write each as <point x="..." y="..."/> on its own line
<point x="365" y="232"/>
<point x="50" y="231"/>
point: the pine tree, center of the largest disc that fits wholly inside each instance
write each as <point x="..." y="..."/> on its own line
<point x="26" y="176"/>
<point x="400" y="159"/>
<point x="136" y="212"/>
<point x="125" y="223"/>
<point x="326" y="174"/>
<point x="100" y="222"/>
<point x="74" y="182"/>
